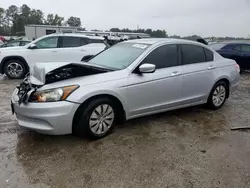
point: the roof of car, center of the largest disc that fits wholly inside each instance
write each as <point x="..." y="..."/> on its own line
<point x="76" y="35"/>
<point x="161" y="40"/>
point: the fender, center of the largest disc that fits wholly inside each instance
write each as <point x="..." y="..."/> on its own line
<point x="12" y="57"/>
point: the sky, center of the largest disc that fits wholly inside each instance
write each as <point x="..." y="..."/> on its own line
<point x="179" y="17"/>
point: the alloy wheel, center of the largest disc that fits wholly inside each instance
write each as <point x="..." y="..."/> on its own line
<point x="219" y="95"/>
<point x="15" y="69"/>
<point x="101" y="119"/>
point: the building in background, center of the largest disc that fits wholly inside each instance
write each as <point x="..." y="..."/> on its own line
<point x="36" y="31"/>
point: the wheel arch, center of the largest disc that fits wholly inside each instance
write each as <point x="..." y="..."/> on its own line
<point x="6" y="59"/>
<point x="122" y="113"/>
<point x="227" y="81"/>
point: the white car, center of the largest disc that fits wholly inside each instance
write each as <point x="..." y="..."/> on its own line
<point x="15" y="62"/>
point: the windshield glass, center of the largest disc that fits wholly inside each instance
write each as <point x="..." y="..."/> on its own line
<point x="119" y="56"/>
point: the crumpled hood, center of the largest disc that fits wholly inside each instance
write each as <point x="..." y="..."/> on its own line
<point x="39" y="70"/>
<point x="47" y="73"/>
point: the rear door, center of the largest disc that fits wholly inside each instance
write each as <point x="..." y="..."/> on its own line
<point x="197" y="73"/>
<point x="151" y="92"/>
<point x="71" y="48"/>
<point x="75" y="48"/>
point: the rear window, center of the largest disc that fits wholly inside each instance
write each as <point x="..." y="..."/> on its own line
<point x="217" y="46"/>
<point x="192" y="54"/>
<point x="69" y="42"/>
<point x="209" y="55"/>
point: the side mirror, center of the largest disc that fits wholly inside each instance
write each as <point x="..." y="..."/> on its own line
<point x="147" y="68"/>
<point x="32" y="46"/>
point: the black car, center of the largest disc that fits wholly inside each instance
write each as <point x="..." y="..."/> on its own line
<point x="14" y="43"/>
<point x="238" y="51"/>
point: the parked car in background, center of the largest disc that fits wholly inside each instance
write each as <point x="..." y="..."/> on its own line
<point x="238" y="51"/>
<point x="2" y="39"/>
<point x="15" y="62"/>
<point x="128" y="80"/>
<point x="15" y="43"/>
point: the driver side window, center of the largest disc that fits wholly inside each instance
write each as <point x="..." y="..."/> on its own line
<point x="163" y="56"/>
<point x="50" y="42"/>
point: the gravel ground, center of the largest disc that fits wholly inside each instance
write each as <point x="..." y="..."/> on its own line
<point x="188" y="148"/>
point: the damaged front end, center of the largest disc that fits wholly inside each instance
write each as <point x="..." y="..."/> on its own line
<point x="47" y="73"/>
<point x="25" y="89"/>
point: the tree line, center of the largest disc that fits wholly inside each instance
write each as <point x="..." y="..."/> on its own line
<point x="13" y="19"/>
<point x="153" y="33"/>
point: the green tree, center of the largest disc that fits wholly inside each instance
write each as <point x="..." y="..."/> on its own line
<point x="74" y="22"/>
<point x="36" y="17"/>
<point x="54" y="20"/>
<point x="159" y="33"/>
<point x="3" y="26"/>
<point x="115" y="30"/>
<point x="20" y="19"/>
<point x="2" y="17"/>
<point x="10" y="14"/>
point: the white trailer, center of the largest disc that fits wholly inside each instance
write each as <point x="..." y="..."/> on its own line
<point x="36" y="31"/>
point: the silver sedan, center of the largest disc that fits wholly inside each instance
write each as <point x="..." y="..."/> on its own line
<point x="129" y="80"/>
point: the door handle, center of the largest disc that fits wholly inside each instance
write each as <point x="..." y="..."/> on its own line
<point x="211" y="67"/>
<point x="54" y="51"/>
<point x="175" y="73"/>
<point x="82" y="50"/>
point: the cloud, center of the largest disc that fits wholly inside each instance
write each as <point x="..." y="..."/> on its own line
<point x="182" y="17"/>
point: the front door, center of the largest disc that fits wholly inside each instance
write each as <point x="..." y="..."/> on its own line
<point x="46" y="51"/>
<point x="197" y="73"/>
<point x="154" y="92"/>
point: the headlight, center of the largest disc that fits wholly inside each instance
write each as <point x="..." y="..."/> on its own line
<point x="53" y="95"/>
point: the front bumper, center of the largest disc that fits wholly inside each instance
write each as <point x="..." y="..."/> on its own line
<point x="54" y="118"/>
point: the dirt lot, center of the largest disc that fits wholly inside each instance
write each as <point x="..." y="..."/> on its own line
<point x="187" y="148"/>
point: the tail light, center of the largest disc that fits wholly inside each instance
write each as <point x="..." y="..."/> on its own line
<point x="237" y="67"/>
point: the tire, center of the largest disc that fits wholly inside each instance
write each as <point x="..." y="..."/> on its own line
<point x="87" y="117"/>
<point x="15" y="69"/>
<point x="218" y="95"/>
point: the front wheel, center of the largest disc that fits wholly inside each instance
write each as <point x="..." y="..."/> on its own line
<point x="96" y="119"/>
<point x="218" y="95"/>
<point x="15" y="69"/>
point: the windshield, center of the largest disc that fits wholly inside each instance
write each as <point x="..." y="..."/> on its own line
<point x="119" y="56"/>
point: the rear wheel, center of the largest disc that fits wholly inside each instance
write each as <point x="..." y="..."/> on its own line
<point x="218" y="95"/>
<point x="96" y="119"/>
<point x="15" y="69"/>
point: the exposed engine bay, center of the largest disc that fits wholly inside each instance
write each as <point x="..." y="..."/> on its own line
<point x="72" y="71"/>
